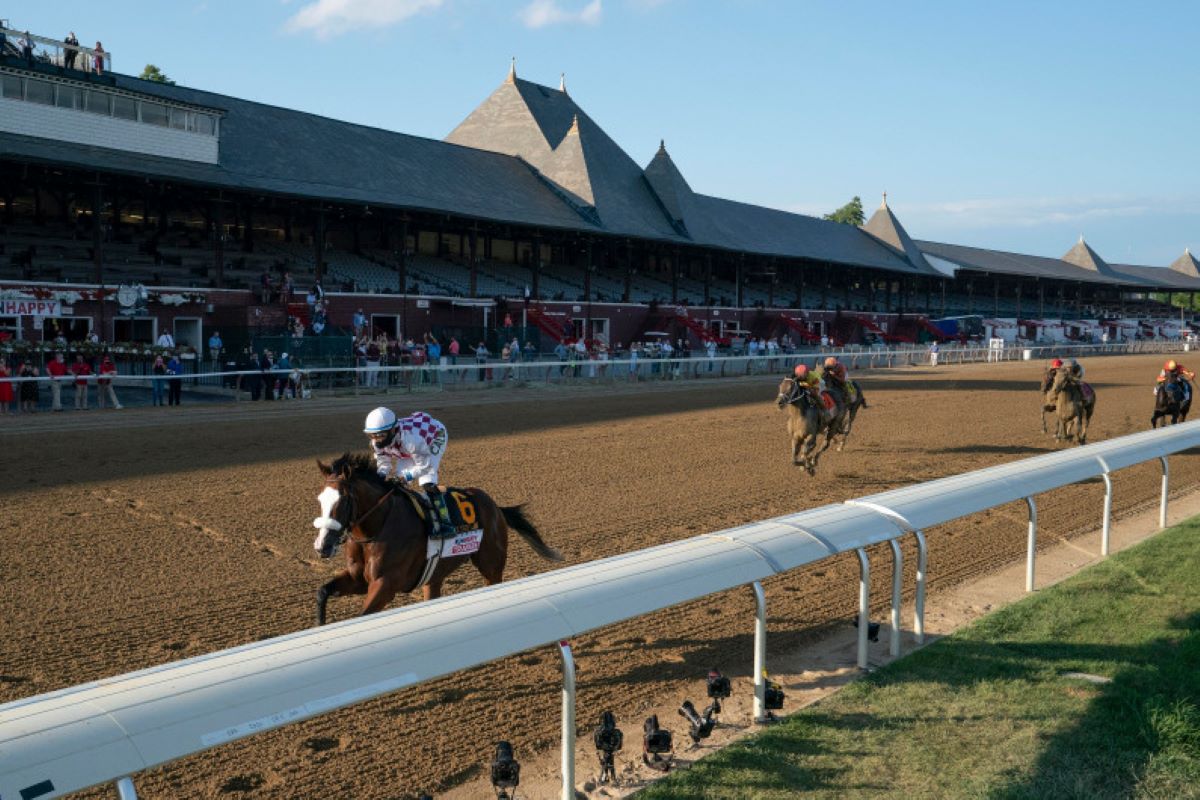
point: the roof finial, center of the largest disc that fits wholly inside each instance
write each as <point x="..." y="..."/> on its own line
<point x="574" y="125"/>
<point x="1187" y="251"/>
<point x="885" y="199"/>
<point x="512" y="70"/>
<point x="562" y="82"/>
<point x="662" y="145"/>
<point x="1081" y="238"/>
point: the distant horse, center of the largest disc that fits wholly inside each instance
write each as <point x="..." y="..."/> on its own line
<point x="1172" y="398"/>
<point x="1074" y="402"/>
<point x="806" y="422"/>
<point x="386" y="536"/>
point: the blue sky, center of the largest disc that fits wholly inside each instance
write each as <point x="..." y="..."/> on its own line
<point x="1015" y="125"/>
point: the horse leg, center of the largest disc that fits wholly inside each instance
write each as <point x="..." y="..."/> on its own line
<point x="342" y="583"/>
<point x="380" y="592"/>
<point x="797" y="442"/>
<point x="1081" y="432"/>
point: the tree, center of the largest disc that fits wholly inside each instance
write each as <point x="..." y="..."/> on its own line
<point x="153" y="73"/>
<point x="849" y="214"/>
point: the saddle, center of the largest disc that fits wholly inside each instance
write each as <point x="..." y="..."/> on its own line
<point x="456" y="507"/>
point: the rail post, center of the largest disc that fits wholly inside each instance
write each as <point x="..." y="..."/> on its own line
<point x="1031" y="546"/>
<point x="897" y="577"/>
<point x="922" y="566"/>
<point x="760" y="654"/>
<point x="864" y="603"/>
<point x="568" y="721"/>
<point x="125" y="790"/>
<point x="1106" y="529"/>
<point x="1162" y="503"/>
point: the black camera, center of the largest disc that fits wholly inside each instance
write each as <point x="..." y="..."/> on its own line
<point x="872" y="629"/>
<point x="701" y="726"/>
<point x="773" y="696"/>
<point x="718" y="689"/>
<point x="506" y="770"/>
<point x="608" y="739"/>
<point x="656" y="745"/>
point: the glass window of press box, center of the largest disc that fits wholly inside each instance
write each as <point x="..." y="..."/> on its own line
<point x="50" y="93"/>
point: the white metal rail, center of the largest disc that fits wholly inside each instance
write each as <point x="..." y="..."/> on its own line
<point x="108" y="730"/>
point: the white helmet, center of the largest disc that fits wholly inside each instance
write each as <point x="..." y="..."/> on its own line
<point x="380" y="420"/>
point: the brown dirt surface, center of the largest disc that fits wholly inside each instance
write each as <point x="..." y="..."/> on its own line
<point x="135" y="539"/>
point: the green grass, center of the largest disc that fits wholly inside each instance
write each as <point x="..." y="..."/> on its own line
<point x="989" y="711"/>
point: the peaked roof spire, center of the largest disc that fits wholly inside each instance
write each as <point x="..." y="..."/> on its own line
<point x="512" y="71"/>
<point x="562" y="82"/>
<point x="1187" y="264"/>
<point x="1083" y="256"/>
<point x="884" y="226"/>
<point x="574" y="126"/>
<point x="662" y="145"/>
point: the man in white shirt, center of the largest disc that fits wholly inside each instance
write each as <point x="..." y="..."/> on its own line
<point x="166" y="341"/>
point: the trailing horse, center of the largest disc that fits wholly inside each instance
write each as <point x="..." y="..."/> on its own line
<point x="1074" y="402"/>
<point x="1172" y="398"/>
<point x="385" y="529"/>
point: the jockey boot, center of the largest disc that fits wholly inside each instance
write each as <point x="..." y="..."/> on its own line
<point x="442" y="527"/>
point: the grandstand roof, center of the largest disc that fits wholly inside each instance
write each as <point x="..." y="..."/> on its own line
<point x="884" y="226"/>
<point x="1004" y="263"/>
<point x="1183" y="274"/>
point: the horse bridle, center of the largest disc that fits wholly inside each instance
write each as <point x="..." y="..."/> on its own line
<point x="348" y="529"/>
<point x="793" y="394"/>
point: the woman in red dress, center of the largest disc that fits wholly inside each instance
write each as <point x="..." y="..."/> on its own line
<point x="6" y="387"/>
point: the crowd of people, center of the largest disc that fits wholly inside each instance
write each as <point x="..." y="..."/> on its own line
<point x="73" y="57"/>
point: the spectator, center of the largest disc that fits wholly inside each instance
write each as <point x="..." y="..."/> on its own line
<point x="166" y="341"/>
<point x="156" y="383"/>
<point x="265" y="368"/>
<point x="580" y="354"/>
<point x="57" y="369"/>
<point x="481" y="358"/>
<point x="81" y="370"/>
<point x="251" y="382"/>
<point x="70" y="52"/>
<point x="560" y="354"/>
<point x="26" y="45"/>
<point x="311" y="300"/>
<point x="374" y="354"/>
<point x="104" y="383"/>
<point x="6" y="387"/>
<point x="529" y="352"/>
<point x="514" y="350"/>
<point x="29" y="389"/>
<point x="215" y="345"/>
<point x="359" y="322"/>
<point x="99" y="59"/>
<point x="933" y="354"/>
<point x="453" y="349"/>
<point x="175" y="382"/>
<point x="285" y="288"/>
<point x="93" y="337"/>
<point x="264" y="287"/>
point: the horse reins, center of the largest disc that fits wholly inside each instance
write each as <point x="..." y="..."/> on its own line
<point x="340" y="483"/>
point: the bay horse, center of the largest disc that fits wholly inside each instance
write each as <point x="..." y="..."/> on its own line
<point x="1074" y="401"/>
<point x="1172" y="398"/>
<point x="386" y="536"/>
<point x="806" y="422"/>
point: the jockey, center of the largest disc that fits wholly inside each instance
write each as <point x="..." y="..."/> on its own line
<point x="1075" y="368"/>
<point x="1049" y="375"/>
<point x="411" y="449"/>
<point x="1173" y="367"/>
<point x="834" y="373"/>
<point x="810" y="380"/>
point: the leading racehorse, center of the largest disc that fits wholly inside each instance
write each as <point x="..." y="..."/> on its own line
<point x="386" y="536"/>
<point x="1074" y="401"/>
<point x="807" y="421"/>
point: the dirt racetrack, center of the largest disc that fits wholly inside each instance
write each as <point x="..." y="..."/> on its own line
<point x="134" y="539"/>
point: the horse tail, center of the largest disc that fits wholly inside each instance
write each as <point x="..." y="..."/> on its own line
<point x="516" y="519"/>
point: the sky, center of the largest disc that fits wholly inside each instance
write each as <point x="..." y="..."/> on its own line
<point x="1015" y="125"/>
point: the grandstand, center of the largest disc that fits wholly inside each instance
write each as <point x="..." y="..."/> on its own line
<point x="107" y="180"/>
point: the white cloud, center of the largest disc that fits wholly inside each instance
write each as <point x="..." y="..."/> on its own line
<point x="326" y="18"/>
<point x="1027" y="212"/>
<point x="540" y="13"/>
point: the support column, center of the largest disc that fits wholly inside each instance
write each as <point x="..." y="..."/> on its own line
<point x="126" y="790"/>
<point x="708" y="279"/>
<point x="402" y="274"/>
<point x="738" y="277"/>
<point x="760" y="654"/>
<point x="628" y="272"/>
<point x="319" y="242"/>
<point x="864" y="602"/>
<point x="218" y="233"/>
<point x="1106" y="530"/>
<point x="568" y="722"/>
<point x="537" y="267"/>
<point x="995" y="297"/>
<point x="922" y="565"/>
<point x="897" y="578"/>
<point x="1162" y="504"/>
<point x="587" y="319"/>
<point x="1031" y="545"/>
<point x="97" y="235"/>
<point x="674" y="277"/>
<point x="474" y="263"/>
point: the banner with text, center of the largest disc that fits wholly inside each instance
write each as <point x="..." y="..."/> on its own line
<point x="30" y="308"/>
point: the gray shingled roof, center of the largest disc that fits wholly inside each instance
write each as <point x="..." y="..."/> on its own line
<point x="1084" y="257"/>
<point x="545" y="127"/>
<point x="1001" y="262"/>
<point x="266" y="148"/>
<point x="1187" y="264"/>
<point x="884" y="226"/>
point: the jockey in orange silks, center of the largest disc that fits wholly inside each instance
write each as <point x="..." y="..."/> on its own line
<point x="1173" y="367"/>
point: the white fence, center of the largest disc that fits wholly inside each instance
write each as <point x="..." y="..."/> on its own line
<point x="108" y="730"/>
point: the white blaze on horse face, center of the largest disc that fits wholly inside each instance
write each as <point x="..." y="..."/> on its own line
<point x="325" y="523"/>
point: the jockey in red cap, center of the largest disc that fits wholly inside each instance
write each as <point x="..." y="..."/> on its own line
<point x="1048" y="377"/>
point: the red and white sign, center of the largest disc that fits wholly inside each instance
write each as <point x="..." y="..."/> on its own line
<point x="464" y="544"/>
<point x="30" y="308"/>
